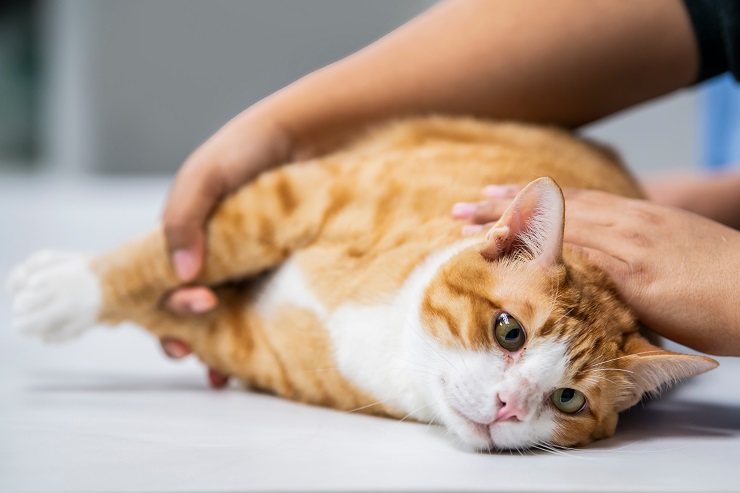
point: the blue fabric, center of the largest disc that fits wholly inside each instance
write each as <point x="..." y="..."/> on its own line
<point x="720" y="121"/>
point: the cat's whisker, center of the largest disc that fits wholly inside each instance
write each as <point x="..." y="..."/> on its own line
<point x="462" y="358"/>
<point x="413" y="412"/>
<point x="606" y="369"/>
<point x="439" y="353"/>
<point x="560" y="450"/>
<point x="434" y="420"/>
<point x="622" y="357"/>
<point x="562" y="317"/>
<point x="542" y="449"/>
<point x="595" y="381"/>
<point x="599" y="379"/>
<point x="554" y="301"/>
<point x="367" y="406"/>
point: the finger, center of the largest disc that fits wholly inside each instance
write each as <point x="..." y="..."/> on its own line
<point x="489" y="211"/>
<point x="175" y="348"/>
<point x="471" y="229"/>
<point x="191" y="301"/>
<point x="195" y="191"/>
<point x="501" y="191"/>
<point x="616" y="268"/>
<point x="604" y="229"/>
<point x="216" y="379"/>
<point x="628" y="281"/>
<point x="463" y="210"/>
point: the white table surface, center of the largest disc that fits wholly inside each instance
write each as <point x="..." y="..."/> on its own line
<point x="108" y="413"/>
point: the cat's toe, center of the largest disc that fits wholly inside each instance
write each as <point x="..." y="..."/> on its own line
<point x="56" y="296"/>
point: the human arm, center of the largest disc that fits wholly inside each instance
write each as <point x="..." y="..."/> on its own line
<point x="571" y="63"/>
<point x="713" y="195"/>
<point x="564" y="63"/>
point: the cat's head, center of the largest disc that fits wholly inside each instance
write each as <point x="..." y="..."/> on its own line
<point x="525" y="345"/>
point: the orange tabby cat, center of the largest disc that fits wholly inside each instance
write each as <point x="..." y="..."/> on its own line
<point x="361" y="295"/>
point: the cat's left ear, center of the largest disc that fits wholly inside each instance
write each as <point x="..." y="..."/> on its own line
<point x="648" y="368"/>
<point x="531" y="227"/>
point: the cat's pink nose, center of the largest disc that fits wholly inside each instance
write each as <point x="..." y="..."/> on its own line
<point x="509" y="409"/>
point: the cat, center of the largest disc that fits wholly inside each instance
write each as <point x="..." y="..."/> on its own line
<point x="344" y="282"/>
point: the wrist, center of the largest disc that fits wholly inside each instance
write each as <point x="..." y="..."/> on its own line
<point x="264" y="127"/>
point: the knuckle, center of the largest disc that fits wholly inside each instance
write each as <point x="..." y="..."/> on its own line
<point x="645" y="215"/>
<point x="637" y="238"/>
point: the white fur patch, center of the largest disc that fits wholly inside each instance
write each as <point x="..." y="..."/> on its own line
<point x="370" y="342"/>
<point x="56" y="296"/>
<point x="287" y="285"/>
<point x="468" y="385"/>
<point x="463" y="386"/>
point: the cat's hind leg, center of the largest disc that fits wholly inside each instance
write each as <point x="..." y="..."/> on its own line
<point x="56" y="295"/>
<point x="59" y="295"/>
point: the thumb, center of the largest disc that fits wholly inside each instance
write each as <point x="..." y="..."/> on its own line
<point x="186" y="247"/>
<point x="194" y="193"/>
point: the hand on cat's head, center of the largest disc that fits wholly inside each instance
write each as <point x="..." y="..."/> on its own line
<point x="663" y="260"/>
<point x="525" y="343"/>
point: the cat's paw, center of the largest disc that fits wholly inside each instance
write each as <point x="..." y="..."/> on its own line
<point x="56" y="296"/>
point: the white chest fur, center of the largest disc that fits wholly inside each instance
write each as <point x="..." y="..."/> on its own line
<point x="370" y="341"/>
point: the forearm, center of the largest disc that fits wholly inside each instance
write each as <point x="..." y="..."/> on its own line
<point x="716" y="196"/>
<point x="567" y="62"/>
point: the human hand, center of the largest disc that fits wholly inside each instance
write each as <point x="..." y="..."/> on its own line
<point x="677" y="270"/>
<point x="235" y="154"/>
<point x="715" y="195"/>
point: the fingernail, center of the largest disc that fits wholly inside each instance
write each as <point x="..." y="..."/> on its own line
<point x="463" y="210"/>
<point x="217" y="379"/>
<point x="184" y="264"/>
<point x="471" y="229"/>
<point x="495" y="191"/>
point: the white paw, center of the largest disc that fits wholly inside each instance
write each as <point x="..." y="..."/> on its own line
<point x="56" y="296"/>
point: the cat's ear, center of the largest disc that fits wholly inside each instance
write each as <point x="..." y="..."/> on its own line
<point x="531" y="227"/>
<point x="648" y="368"/>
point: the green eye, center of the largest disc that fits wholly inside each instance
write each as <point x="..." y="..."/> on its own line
<point x="509" y="334"/>
<point x="568" y="400"/>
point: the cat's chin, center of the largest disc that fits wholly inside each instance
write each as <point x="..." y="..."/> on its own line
<point x="481" y="437"/>
<point x="474" y="436"/>
<point x="489" y="438"/>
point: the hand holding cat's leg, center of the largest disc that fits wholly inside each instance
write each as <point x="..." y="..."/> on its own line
<point x="59" y="295"/>
<point x="209" y="175"/>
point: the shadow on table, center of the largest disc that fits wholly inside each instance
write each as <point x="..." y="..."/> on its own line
<point x="70" y="381"/>
<point x="674" y="419"/>
<point x="652" y="421"/>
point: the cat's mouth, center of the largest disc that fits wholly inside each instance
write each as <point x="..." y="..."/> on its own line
<point x="480" y="431"/>
<point x="484" y="431"/>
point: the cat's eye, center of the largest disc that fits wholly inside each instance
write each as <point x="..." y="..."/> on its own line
<point x="509" y="333"/>
<point x="568" y="400"/>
